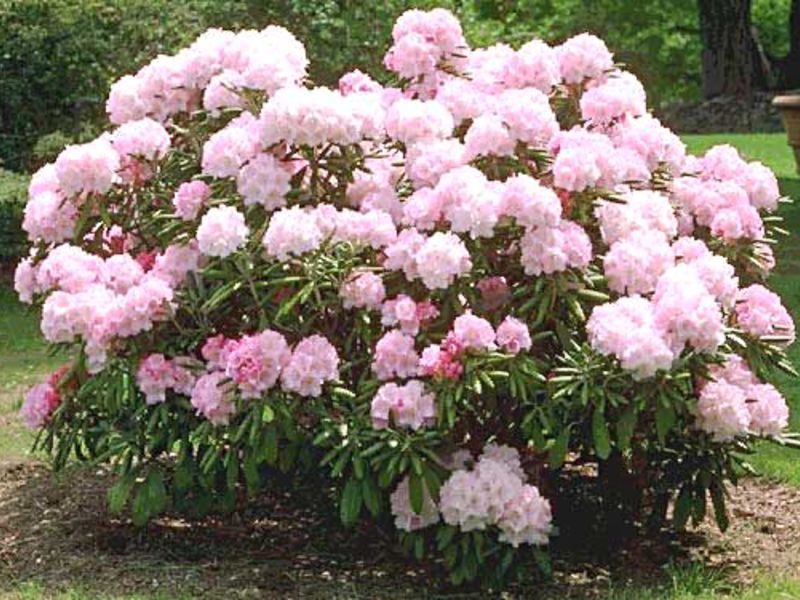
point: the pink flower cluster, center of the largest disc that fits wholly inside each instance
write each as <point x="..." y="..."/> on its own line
<point x="494" y="493"/>
<point x="407" y="405"/>
<point x="735" y="403"/>
<point x="41" y="400"/>
<point x="760" y="313"/>
<point x="157" y="374"/>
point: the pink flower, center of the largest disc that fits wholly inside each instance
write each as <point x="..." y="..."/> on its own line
<point x="254" y="362"/>
<point x="552" y="249"/>
<point x="222" y="231"/>
<point x="641" y="210"/>
<point x="264" y="180"/>
<point x="189" y="199"/>
<point x="40" y="402"/>
<point x="25" y="280"/>
<point x="404" y="516"/>
<point x="526" y="519"/>
<point x="154" y="377"/>
<point x="722" y="411"/>
<point x="627" y="329"/>
<point x="494" y="292"/>
<point x="215" y="351"/>
<point x="769" y="414"/>
<point x="213" y="398"/>
<point x="411" y="121"/>
<point x="488" y="136"/>
<point x="530" y="203"/>
<point x="634" y="263"/>
<point x="49" y="217"/>
<point x="534" y="65"/>
<point x="363" y="290"/>
<point x="146" y="139"/>
<point x="474" y="333"/>
<point x="583" y="57"/>
<point x="292" y="231"/>
<point x="227" y="150"/>
<point x="88" y="168"/>
<point x="441" y="259"/>
<point x="513" y="335"/>
<point x="409" y="405"/>
<point x="395" y="356"/>
<point x="619" y="96"/>
<point x="314" y="361"/>
<point x="760" y="313"/>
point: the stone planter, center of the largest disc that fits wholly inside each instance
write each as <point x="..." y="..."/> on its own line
<point x="789" y="107"/>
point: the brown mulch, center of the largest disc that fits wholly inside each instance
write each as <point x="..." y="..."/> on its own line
<point x="56" y="531"/>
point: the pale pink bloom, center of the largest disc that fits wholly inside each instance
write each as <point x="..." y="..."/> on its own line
<point x="189" y="199"/>
<point x="213" y="398"/>
<point x="222" y="231"/>
<point x="227" y="150"/>
<point x="25" y="283"/>
<point x="552" y="249"/>
<point x="769" y="414"/>
<point x="621" y="95"/>
<point x="125" y="102"/>
<point x="634" y="263"/>
<point x="526" y="519"/>
<point x="176" y="261"/>
<point x="760" y="313"/>
<point x="583" y="57"/>
<point x="222" y="92"/>
<point x="488" y="135"/>
<point x="146" y="139"/>
<point x="395" y="356"/>
<point x="687" y="312"/>
<point x="404" y="516"/>
<point x="292" y="231"/>
<point x="528" y="116"/>
<point x="88" y="168"/>
<point x="123" y="272"/>
<point x="530" y="203"/>
<point x="255" y="362"/>
<point x="513" y="335"/>
<point x="314" y="362"/>
<point x="411" y="121"/>
<point x="356" y="81"/>
<point x="441" y="259"/>
<point x="722" y="411"/>
<point x="535" y="65"/>
<point x="154" y="377"/>
<point x="264" y="180"/>
<point x="363" y="290"/>
<point x="49" y="217"/>
<point x="474" y="333"/>
<point x="40" y="402"/>
<point x="641" y="210"/>
<point x="654" y="143"/>
<point x="627" y="329"/>
<point x="408" y="405"/>
<point x="427" y="161"/>
<point x="215" y="351"/>
<point x="401" y="255"/>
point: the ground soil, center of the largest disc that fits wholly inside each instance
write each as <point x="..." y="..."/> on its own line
<point x="56" y="531"/>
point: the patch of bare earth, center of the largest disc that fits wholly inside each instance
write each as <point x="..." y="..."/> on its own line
<point x="56" y="531"/>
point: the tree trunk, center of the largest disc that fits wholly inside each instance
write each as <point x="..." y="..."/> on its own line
<point x="730" y="60"/>
<point x="787" y="68"/>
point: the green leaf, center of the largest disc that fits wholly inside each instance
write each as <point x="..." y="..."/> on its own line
<point x="371" y="495"/>
<point x="665" y="419"/>
<point x="626" y="424"/>
<point x="558" y="451"/>
<point x="267" y="414"/>
<point x="119" y="493"/>
<point x="683" y="506"/>
<point x="718" y="500"/>
<point x="602" y="439"/>
<point x="351" y="501"/>
<point x="415" y="492"/>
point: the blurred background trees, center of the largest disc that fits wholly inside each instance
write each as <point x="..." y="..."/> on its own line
<point x="58" y="57"/>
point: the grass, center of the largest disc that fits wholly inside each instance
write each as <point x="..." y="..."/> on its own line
<point x="24" y="359"/>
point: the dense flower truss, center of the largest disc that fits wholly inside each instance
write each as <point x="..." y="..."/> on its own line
<point x="438" y="293"/>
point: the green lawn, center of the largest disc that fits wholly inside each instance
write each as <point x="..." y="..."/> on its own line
<point x="23" y="360"/>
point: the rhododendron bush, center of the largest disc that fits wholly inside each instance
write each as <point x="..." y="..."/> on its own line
<point x="445" y="298"/>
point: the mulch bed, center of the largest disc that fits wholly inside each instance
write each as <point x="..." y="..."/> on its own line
<point x="56" y="531"/>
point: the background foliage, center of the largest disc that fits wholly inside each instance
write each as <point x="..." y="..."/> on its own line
<point x="58" y="57"/>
